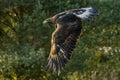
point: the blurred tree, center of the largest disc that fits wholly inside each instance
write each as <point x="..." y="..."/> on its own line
<point x="25" y="41"/>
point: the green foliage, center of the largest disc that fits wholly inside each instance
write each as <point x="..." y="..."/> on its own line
<point x="29" y="66"/>
<point x="25" y="41"/>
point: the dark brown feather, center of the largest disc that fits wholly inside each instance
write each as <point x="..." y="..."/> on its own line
<point x="63" y="42"/>
<point x="64" y="38"/>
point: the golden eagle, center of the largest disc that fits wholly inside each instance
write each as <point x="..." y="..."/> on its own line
<point x="68" y="28"/>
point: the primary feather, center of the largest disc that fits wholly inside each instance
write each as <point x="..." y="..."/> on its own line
<point x="64" y="38"/>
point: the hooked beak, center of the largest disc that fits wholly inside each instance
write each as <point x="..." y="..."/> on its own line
<point x="47" y="21"/>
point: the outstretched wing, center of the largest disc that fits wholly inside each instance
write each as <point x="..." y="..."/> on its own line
<point x="86" y="14"/>
<point x="64" y="39"/>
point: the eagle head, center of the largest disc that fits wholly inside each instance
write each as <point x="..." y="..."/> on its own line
<point x="54" y="18"/>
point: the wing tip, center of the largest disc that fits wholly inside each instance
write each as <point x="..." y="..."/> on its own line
<point x="88" y="14"/>
<point x="56" y="64"/>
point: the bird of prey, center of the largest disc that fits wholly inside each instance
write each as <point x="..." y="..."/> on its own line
<point x="68" y="27"/>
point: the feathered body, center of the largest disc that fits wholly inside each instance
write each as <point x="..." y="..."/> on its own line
<point x="64" y="38"/>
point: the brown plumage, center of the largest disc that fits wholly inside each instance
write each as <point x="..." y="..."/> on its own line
<point x="64" y="38"/>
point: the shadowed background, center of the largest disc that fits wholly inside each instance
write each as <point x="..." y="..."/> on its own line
<point x="25" y="41"/>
